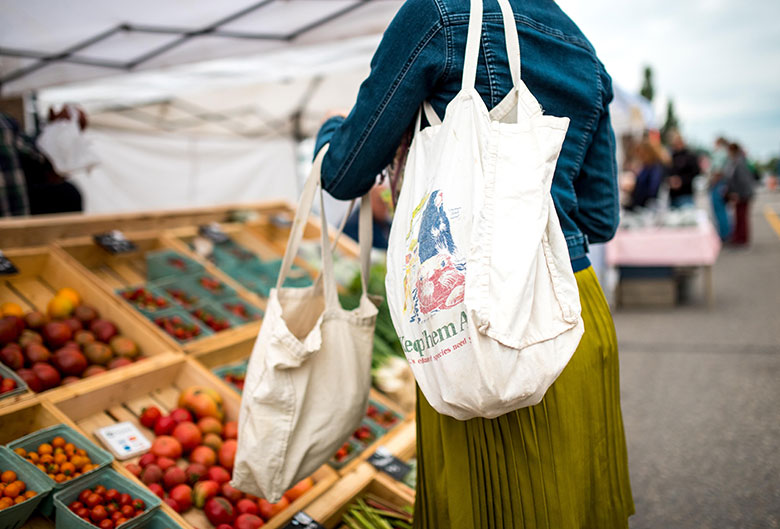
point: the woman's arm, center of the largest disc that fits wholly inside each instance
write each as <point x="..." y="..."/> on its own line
<point x="598" y="212"/>
<point x="408" y="63"/>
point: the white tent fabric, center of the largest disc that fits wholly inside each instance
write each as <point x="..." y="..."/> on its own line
<point x="49" y="42"/>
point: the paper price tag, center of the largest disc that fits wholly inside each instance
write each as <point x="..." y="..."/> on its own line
<point x="383" y="460"/>
<point x="114" y="242"/>
<point x="6" y="266"/>
<point x="303" y="521"/>
<point x="213" y="232"/>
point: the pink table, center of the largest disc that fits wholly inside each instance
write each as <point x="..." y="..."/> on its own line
<point x="689" y="247"/>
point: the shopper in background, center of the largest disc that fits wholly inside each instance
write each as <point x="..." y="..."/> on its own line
<point x="740" y="183"/>
<point x="561" y="464"/>
<point x="30" y="185"/>
<point x="718" y="186"/>
<point x="685" y="167"/>
<point x="649" y="177"/>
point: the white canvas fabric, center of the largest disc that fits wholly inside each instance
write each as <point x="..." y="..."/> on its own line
<point x="309" y="374"/>
<point x="479" y="282"/>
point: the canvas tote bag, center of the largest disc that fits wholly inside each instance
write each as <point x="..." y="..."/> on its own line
<point x="309" y="374"/>
<point x="479" y="282"/>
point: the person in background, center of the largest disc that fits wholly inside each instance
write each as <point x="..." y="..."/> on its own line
<point x="685" y="167"/>
<point x="720" y="157"/>
<point x="650" y="176"/>
<point x="739" y="184"/>
<point x="41" y="190"/>
<point x="13" y="189"/>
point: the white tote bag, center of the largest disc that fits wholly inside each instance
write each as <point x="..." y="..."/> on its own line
<point x="479" y="282"/>
<point x="308" y="378"/>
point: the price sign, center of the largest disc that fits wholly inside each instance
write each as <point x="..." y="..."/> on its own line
<point x="383" y="460"/>
<point x="302" y="521"/>
<point x="114" y="242"/>
<point x="214" y="233"/>
<point x="6" y="266"/>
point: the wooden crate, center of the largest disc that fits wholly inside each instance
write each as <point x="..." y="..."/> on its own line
<point x="331" y="506"/>
<point x="166" y="376"/>
<point x="111" y="272"/>
<point x="42" y="272"/>
<point x="24" y="418"/>
<point x="44" y="229"/>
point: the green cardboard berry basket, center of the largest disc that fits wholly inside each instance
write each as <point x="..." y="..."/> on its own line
<point x="187" y="285"/>
<point x="110" y="479"/>
<point x="236" y="367"/>
<point x="158" y="265"/>
<point x="193" y="285"/>
<point x="254" y="313"/>
<point x="157" y="292"/>
<point x="21" y="387"/>
<point x="100" y="458"/>
<point x="161" y="520"/>
<point x="213" y="308"/>
<point x="15" y="517"/>
<point x="186" y="317"/>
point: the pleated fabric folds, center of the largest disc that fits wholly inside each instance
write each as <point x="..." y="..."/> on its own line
<point x="561" y="464"/>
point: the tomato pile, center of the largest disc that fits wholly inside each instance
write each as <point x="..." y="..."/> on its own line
<point x="106" y="508"/>
<point x="58" y="459"/>
<point x="13" y="491"/>
<point x="178" y="328"/>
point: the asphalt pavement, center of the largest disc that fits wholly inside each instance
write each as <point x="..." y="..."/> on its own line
<point x="701" y="395"/>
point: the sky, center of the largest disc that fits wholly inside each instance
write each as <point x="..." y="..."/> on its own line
<point x="718" y="60"/>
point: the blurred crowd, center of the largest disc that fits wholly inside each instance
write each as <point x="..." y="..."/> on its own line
<point x="662" y="175"/>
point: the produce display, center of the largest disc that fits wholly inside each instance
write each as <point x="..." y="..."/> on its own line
<point x="13" y="491"/>
<point x="60" y="460"/>
<point x="106" y="508"/>
<point x="184" y="300"/>
<point x="233" y="374"/>
<point x="250" y="271"/>
<point x="191" y="460"/>
<point x="371" y="512"/>
<point x="377" y="422"/>
<point x="67" y="344"/>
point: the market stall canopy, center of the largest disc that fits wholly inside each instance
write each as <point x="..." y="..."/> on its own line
<point x="46" y="42"/>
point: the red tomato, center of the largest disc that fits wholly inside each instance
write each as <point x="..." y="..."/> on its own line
<point x="111" y="508"/>
<point x="93" y="500"/>
<point x="269" y="510"/>
<point x="119" y="521"/>
<point x="116" y="516"/>
<point x="75" y="505"/>
<point x="83" y="513"/>
<point x="127" y="511"/>
<point x="106" y="524"/>
<point x="100" y="489"/>
<point x="111" y="495"/>
<point x="98" y="514"/>
<point x="149" y="416"/>
<point x="139" y="505"/>
<point x="84" y="495"/>
<point x="125" y="499"/>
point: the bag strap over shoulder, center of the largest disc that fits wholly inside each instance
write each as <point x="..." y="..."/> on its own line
<point x="474" y="37"/>
<point x="365" y="232"/>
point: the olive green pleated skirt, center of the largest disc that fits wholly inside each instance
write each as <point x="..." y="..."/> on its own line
<point x="561" y="464"/>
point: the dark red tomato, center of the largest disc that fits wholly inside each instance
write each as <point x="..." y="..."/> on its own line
<point x="125" y="499"/>
<point x="119" y="522"/>
<point x="128" y="511"/>
<point x="116" y="516"/>
<point x="84" y="495"/>
<point x="112" y="495"/>
<point x="111" y="508"/>
<point x="93" y="500"/>
<point x="100" y="489"/>
<point x="98" y="514"/>
<point x="139" y="505"/>
<point x="83" y="513"/>
<point x="75" y="505"/>
<point x="106" y="524"/>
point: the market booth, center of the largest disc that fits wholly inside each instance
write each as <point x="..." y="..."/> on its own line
<point x="154" y="325"/>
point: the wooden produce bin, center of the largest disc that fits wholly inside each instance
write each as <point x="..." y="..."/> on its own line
<point x="166" y="376"/>
<point x="329" y="508"/>
<point x="111" y="272"/>
<point x="24" y="418"/>
<point x="42" y="272"/>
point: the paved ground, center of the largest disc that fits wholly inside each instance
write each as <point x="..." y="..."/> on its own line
<point x="701" y="397"/>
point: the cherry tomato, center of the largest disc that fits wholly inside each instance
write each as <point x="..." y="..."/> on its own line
<point x="116" y="516"/>
<point x="112" y="495"/>
<point x="98" y="514"/>
<point x="75" y="505"/>
<point x="83" y="513"/>
<point x="128" y="511"/>
<point x="84" y="495"/>
<point x="111" y="508"/>
<point x="100" y="489"/>
<point x="125" y="499"/>
<point x="106" y="524"/>
<point x="139" y="505"/>
<point x="93" y="500"/>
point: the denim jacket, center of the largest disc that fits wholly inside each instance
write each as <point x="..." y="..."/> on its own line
<point x="421" y="57"/>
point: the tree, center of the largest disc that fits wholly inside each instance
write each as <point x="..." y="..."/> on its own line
<point x="671" y="123"/>
<point x="647" y="90"/>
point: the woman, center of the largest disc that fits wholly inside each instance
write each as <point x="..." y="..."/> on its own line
<point x="739" y="185"/>
<point x="561" y="464"/>
<point x="650" y="176"/>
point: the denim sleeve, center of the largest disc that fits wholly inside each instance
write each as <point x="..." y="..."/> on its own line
<point x="404" y="71"/>
<point x="598" y="211"/>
